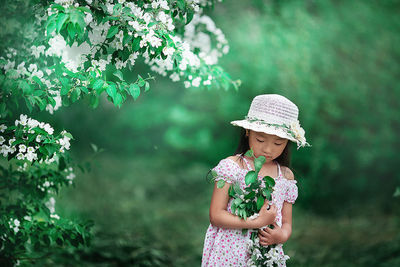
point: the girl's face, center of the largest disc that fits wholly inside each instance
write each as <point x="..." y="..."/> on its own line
<point x="267" y="145"/>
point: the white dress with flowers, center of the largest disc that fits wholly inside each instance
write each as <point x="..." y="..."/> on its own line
<point x="227" y="247"/>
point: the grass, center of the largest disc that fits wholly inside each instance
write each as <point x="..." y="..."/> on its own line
<point x="153" y="211"/>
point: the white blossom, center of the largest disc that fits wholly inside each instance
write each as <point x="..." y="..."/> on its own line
<point x="196" y="82"/>
<point x="50" y="204"/>
<point x="88" y="18"/>
<point x="14" y="224"/>
<point x="48" y="128"/>
<point x="54" y="216"/>
<point x="22" y="148"/>
<point x="168" y="51"/>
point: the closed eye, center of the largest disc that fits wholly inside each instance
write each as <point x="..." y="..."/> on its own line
<point x="259" y="140"/>
<point x="278" y="144"/>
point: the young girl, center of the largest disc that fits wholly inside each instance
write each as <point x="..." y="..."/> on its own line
<point x="272" y="122"/>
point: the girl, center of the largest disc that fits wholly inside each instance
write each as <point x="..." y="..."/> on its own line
<point x="272" y="122"/>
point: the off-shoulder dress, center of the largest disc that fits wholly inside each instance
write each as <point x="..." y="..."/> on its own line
<point x="227" y="247"/>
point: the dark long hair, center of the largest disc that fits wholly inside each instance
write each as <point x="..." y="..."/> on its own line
<point x="243" y="146"/>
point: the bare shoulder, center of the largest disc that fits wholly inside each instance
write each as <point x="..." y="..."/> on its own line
<point x="237" y="159"/>
<point x="287" y="173"/>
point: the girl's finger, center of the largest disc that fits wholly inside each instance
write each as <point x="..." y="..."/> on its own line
<point x="265" y="238"/>
<point x="267" y="230"/>
<point x="266" y="205"/>
<point x="261" y="233"/>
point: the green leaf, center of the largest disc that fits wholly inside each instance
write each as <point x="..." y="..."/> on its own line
<point x="237" y="189"/>
<point x="117" y="8"/>
<point x="28" y="104"/>
<point x="181" y="4"/>
<point x="111" y="90"/>
<point x="94" y="101"/>
<point x="233" y="207"/>
<point x="258" y="163"/>
<point x="220" y="183"/>
<point x="61" y="19"/>
<point x="64" y="81"/>
<point x="39" y="93"/>
<point x="141" y="81"/>
<point x="189" y="15"/>
<point x="249" y="153"/>
<point x="266" y="193"/>
<point x="250" y="195"/>
<point x="41" y="103"/>
<point x="260" y="202"/>
<point x="112" y="31"/>
<point x="98" y="84"/>
<point x="51" y="27"/>
<point x="94" y="147"/>
<point x="84" y="9"/>
<point x="237" y="201"/>
<point x="127" y="38"/>
<point x="71" y="31"/>
<point x="136" y="44"/>
<point x="51" y="100"/>
<point x="67" y="134"/>
<point x="397" y="192"/>
<point x="231" y="192"/>
<point x="250" y="177"/>
<point x="118" y="99"/>
<point x="38" y="81"/>
<point x="26" y="88"/>
<point x="214" y="173"/>
<point x="84" y="89"/>
<point x="57" y="6"/>
<point x="146" y="86"/>
<point x="78" y="18"/>
<point x="119" y="75"/>
<point x="269" y="181"/>
<point x="64" y="90"/>
<point x="134" y="90"/>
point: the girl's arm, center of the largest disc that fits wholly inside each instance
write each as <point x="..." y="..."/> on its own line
<point x="220" y="217"/>
<point x="278" y="235"/>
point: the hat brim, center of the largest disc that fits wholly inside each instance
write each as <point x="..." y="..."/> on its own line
<point x="264" y="129"/>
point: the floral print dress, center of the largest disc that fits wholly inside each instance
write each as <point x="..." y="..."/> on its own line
<point x="227" y="247"/>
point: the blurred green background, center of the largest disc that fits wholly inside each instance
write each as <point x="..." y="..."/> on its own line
<point x="147" y="191"/>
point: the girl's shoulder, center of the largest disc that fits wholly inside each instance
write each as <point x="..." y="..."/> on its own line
<point x="234" y="162"/>
<point x="237" y="160"/>
<point x="287" y="173"/>
<point x="228" y="168"/>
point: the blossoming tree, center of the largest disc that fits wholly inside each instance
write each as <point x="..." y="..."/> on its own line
<point x="75" y="50"/>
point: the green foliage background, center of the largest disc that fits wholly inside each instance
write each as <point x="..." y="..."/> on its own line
<point x="337" y="60"/>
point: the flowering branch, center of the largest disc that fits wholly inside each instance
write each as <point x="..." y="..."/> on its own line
<point x="247" y="203"/>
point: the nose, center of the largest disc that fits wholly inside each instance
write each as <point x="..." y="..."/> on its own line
<point x="267" y="148"/>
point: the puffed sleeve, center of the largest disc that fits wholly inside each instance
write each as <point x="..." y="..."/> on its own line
<point x="291" y="191"/>
<point x="226" y="170"/>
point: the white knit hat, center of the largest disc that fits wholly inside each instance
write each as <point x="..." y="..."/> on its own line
<point x="274" y="114"/>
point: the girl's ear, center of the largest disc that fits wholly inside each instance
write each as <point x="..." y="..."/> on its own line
<point x="247" y="133"/>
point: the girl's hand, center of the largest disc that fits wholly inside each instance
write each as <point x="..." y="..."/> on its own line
<point x="270" y="236"/>
<point x="266" y="216"/>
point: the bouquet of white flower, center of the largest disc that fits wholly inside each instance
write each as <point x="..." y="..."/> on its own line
<point x="246" y="204"/>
